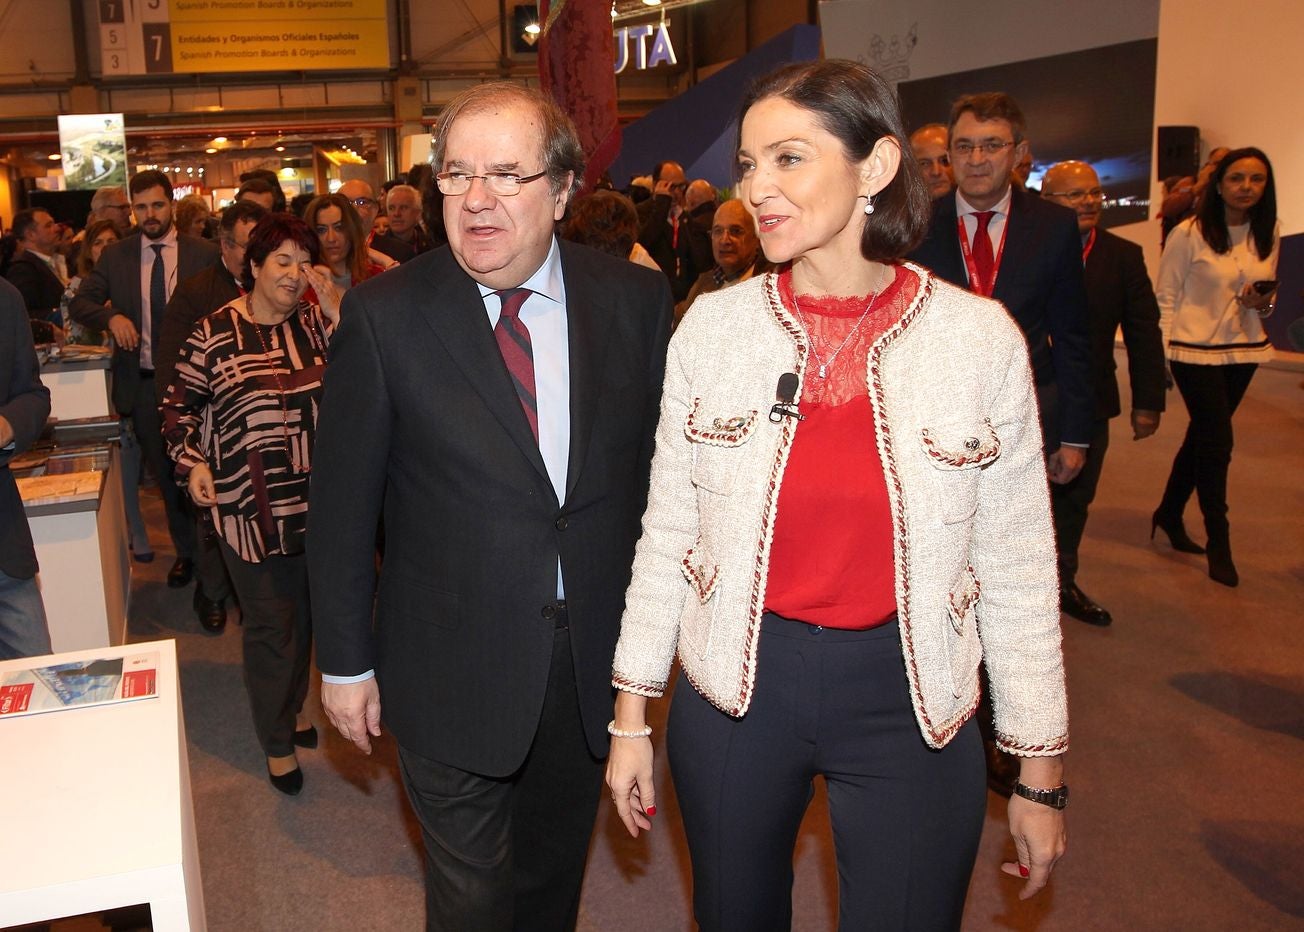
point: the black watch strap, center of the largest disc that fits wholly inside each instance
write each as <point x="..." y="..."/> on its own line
<point x="1056" y="798"/>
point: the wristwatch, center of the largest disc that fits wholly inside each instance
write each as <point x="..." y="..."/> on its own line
<point x="1056" y="798"/>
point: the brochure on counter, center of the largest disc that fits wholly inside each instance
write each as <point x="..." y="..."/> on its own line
<point x="78" y="685"/>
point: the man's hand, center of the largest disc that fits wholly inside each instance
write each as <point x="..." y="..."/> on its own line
<point x="354" y="709"/>
<point x="1065" y="463"/>
<point x="6" y="432"/>
<point x="124" y="332"/>
<point x="1144" y="423"/>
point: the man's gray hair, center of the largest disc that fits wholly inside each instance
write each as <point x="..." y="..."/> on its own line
<point x="561" y="149"/>
<point x="103" y="196"/>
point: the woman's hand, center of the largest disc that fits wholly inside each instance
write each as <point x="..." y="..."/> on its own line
<point x="1038" y="831"/>
<point x="200" y="485"/>
<point x="629" y="766"/>
<point x="1250" y="299"/>
<point x="328" y="295"/>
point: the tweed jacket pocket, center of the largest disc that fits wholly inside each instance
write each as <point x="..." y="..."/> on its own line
<point x="703" y="576"/>
<point x="957" y="453"/>
<point x="963" y="646"/>
<point x="716" y="441"/>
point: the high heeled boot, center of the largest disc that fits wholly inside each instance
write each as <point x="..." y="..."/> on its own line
<point x="1221" y="568"/>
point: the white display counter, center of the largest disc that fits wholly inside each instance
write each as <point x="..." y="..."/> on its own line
<point x="97" y="806"/>
<point x="79" y="388"/>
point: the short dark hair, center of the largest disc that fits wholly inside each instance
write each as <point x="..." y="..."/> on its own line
<point x="259" y="185"/>
<point x="659" y="169"/>
<point x="267" y="236"/>
<point x="149" y="178"/>
<point x="990" y="105"/>
<point x="266" y="174"/>
<point x="1211" y="214"/>
<point x="25" y="221"/>
<point x="859" y="108"/>
<point x="605" y="220"/>
<point x="85" y="264"/>
<point x="560" y="145"/>
<point x="357" y="262"/>
<point x="239" y="212"/>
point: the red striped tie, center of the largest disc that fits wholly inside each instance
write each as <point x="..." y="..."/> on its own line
<point x="514" y="343"/>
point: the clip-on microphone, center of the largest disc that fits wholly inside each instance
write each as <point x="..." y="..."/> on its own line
<point x="785" y="392"/>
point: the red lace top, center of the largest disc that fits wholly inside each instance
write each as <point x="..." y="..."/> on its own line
<point x="831" y="560"/>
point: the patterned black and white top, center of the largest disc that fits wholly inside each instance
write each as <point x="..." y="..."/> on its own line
<point x="244" y="400"/>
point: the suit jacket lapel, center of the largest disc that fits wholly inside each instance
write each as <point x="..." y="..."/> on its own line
<point x="588" y="326"/>
<point x="1019" y="239"/>
<point x="455" y="311"/>
<point x="132" y="273"/>
<point x="952" y="259"/>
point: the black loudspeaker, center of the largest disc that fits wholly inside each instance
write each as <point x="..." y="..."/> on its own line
<point x="1179" y="151"/>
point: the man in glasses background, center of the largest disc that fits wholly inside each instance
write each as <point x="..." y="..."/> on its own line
<point x="1118" y="294"/>
<point x="406" y="238"/>
<point x="363" y="198"/>
<point x="497" y="398"/>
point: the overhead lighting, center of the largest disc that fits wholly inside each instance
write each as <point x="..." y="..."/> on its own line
<point x="54" y="156"/>
<point x="651" y="2"/>
<point x="218" y="140"/>
<point x="532" y="29"/>
<point x="210" y="150"/>
<point x="280" y="148"/>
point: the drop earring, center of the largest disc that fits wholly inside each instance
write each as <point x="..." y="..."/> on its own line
<point x="869" y="205"/>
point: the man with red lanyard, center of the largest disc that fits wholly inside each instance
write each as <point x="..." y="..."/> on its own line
<point x="1026" y="253"/>
<point x="1118" y="294"/>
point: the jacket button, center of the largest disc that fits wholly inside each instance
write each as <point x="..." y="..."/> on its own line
<point x="549" y="612"/>
<point x="561" y="523"/>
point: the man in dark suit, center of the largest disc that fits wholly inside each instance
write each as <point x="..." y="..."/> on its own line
<point x="660" y="218"/>
<point x="126" y="294"/>
<point x="24" y="406"/>
<point x="1118" y="294"/>
<point x="195" y="298"/>
<point x="33" y="271"/>
<point x="1024" y="252"/>
<point x="498" y="397"/>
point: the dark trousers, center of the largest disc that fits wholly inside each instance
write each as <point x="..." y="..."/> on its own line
<point x="149" y="433"/>
<point x="508" y="853"/>
<point x="906" y="819"/>
<point x="277" y="632"/>
<point x="1212" y="394"/>
<point x="1069" y="503"/>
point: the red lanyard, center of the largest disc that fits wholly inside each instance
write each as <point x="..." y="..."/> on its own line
<point x="975" y="280"/>
<point x="1088" y="245"/>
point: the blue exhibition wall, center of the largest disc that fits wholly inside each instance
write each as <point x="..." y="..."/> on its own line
<point x="697" y="128"/>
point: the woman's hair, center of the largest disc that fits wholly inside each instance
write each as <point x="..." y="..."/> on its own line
<point x="604" y="220"/>
<point x="267" y="236"/>
<point x="85" y="264"/>
<point x="188" y="209"/>
<point x="356" y="261"/>
<point x="1212" y="217"/>
<point x="859" y="108"/>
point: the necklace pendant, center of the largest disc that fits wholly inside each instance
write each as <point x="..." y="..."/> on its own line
<point x="824" y="372"/>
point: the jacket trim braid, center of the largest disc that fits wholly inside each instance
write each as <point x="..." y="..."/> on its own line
<point x="977" y="452"/>
<point x="1031" y="750"/>
<point x="721" y="433"/>
<point x="699" y="576"/>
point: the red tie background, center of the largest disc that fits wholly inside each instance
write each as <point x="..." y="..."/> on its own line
<point x="518" y="353"/>
<point x="983" y="259"/>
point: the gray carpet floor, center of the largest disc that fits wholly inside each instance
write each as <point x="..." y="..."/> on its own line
<point x="1186" y="763"/>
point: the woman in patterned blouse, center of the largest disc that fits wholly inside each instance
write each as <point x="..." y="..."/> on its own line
<point x="239" y="419"/>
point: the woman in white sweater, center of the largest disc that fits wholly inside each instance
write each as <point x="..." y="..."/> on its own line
<point x="832" y="569"/>
<point x="1217" y="278"/>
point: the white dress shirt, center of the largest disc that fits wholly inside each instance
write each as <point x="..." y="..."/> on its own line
<point x="995" y="227"/>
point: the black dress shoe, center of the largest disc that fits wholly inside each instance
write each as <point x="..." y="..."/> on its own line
<point x="306" y="738"/>
<point x="210" y="612"/>
<point x="181" y="573"/>
<point x="1077" y="604"/>
<point x="288" y="783"/>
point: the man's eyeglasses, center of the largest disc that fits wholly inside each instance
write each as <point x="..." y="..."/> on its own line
<point x="991" y="147"/>
<point x="1095" y="194"/>
<point x="499" y="184"/>
<point x="362" y="203"/>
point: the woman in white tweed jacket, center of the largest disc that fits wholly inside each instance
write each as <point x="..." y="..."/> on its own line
<point x="878" y="696"/>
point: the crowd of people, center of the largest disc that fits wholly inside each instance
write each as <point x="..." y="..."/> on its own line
<point x="447" y="433"/>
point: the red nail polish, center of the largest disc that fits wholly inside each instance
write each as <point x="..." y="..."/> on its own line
<point x="1023" y="871"/>
<point x="651" y="810"/>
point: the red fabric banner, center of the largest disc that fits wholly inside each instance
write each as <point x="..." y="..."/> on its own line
<point x="577" y="55"/>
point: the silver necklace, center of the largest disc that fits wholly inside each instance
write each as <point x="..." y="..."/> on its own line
<point x="825" y="364"/>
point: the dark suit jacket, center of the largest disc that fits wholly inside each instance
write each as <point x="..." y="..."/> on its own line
<point x="25" y="404"/>
<point x="40" y="287"/>
<point x="113" y="287"/>
<point x="1040" y="284"/>
<point x="194" y="299"/>
<point x="419" y="413"/>
<point x="1119" y="293"/>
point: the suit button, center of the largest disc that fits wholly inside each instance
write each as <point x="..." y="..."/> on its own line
<point x="561" y="523"/>
<point x="549" y="612"/>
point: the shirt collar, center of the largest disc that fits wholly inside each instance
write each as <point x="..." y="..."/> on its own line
<point x="47" y="259"/>
<point x="168" y="239"/>
<point x="546" y="280"/>
<point x="963" y="207"/>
